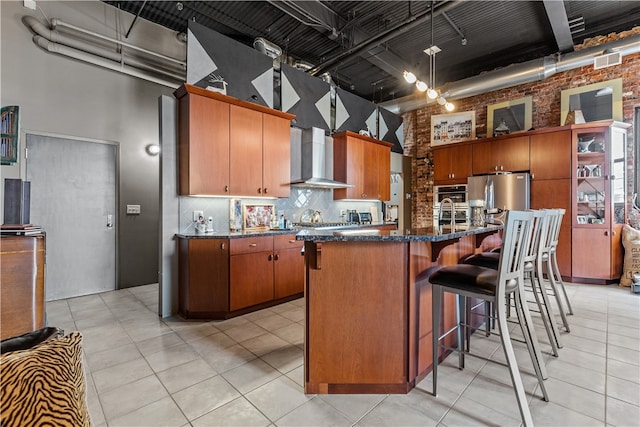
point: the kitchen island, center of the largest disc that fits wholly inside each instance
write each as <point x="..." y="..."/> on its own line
<point x="368" y="304"/>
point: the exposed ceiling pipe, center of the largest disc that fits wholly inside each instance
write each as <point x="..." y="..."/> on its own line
<point x="57" y="37"/>
<point x="516" y="74"/>
<point x="59" y="23"/>
<point x="95" y="60"/>
<point x="385" y="36"/>
<point x="56" y="42"/>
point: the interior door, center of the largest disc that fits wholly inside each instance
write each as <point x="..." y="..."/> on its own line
<point x="73" y="197"/>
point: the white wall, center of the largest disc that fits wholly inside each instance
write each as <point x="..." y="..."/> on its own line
<point x="70" y="98"/>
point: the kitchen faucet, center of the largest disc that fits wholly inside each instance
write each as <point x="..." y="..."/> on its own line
<point x="453" y="212"/>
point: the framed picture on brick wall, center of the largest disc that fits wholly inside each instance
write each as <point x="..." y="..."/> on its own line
<point x="453" y="127"/>
<point x="509" y="116"/>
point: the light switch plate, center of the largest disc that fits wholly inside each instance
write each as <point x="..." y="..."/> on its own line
<point x="133" y="209"/>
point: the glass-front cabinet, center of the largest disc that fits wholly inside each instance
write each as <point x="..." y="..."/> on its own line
<point x="599" y="199"/>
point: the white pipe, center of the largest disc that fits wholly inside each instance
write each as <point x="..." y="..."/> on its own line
<point x="515" y="74"/>
<point x="57" y="22"/>
<point x="96" y="60"/>
<point x="56" y="37"/>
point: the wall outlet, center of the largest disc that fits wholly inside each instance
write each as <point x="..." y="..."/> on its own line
<point x="197" y="215"/>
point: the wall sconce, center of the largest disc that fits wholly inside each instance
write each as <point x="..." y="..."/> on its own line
<point x="152" y="149"/>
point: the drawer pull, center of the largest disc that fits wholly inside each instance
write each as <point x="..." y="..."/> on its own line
<point x="292" y="241"/>
<point x="253" y="245"/>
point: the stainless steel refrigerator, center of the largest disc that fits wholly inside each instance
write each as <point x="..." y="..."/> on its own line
<point x="499" y="192"/>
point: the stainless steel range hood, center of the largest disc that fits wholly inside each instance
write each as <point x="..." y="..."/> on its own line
<point x="312" y="159"/>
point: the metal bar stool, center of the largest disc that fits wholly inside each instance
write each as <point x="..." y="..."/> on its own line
<point x="540" y="232"/>
<point x="471" y="281"/>
<point x="547" y="262"/>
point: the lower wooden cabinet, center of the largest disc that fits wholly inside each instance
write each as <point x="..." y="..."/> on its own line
<point x="222" y="278"/>
<point x="22" y="292"/>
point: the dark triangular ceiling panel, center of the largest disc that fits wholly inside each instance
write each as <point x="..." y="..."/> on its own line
<point x="248" y="73"/>
<point x="308" y="97"/>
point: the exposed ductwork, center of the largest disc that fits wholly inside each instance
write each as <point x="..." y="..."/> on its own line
<point x="516" y="74"/>
<point x="156" y="71"/>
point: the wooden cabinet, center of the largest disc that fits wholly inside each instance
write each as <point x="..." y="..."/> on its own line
<point x="203" y="275"/>
<point x="550" y="155"/>
<point x="501" y="154"/>
<point x="231" y="147"/>
<point x="550" y="169"/>
<point x="556" y="194"/>
<point x="222" y="278"/>
<point x="599" y="209"/>
<point x="452" y="164"/>
<point x="288" y="266"/>
<point x="203" y="145"/>
<point x="251" y="271"/>
<point x="22" y="293"/>
<point x="364" y="163"/>
<point x="245" y="154"/>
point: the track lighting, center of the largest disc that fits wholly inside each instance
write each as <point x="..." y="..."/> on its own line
<point x="449" y="106"/>
<point x="432" y="93"/>
<point x="422" y="86"/>
<point x="409" y="77"/>
<point x="441" y="100"/>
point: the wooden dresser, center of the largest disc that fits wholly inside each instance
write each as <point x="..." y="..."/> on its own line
<point x="22" y="304"/>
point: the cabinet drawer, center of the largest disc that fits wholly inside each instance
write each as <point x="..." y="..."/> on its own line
<point x="286" y="241"/>
<point x="248" y="245"/>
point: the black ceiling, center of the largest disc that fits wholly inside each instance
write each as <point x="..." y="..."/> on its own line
<point x="330" y="35"/>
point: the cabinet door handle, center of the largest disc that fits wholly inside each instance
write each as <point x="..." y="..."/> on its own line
<point x="276" y="257"/>
<point x="226" y="188"/>
<point x="606" y="232"/>
<point x="253" y="245"/>
<point x="266" y="190"/>
<point x="222" y="246"/>
<point x="495" y="168"/>
<point x="270" y="257"/>
<point x="533" y="176"/>
<point x="453" y="175"/>
<point x="259" y="190"/>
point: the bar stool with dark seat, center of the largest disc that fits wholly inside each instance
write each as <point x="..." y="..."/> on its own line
<point x="472" y="281"/>
<point x="540" y="235"/>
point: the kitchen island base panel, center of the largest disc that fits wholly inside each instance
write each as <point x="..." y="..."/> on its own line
<point x="368" y="309"/>
<point x="356" y="323"/>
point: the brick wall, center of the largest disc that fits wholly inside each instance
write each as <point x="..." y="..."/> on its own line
<point x="546" y="113"/>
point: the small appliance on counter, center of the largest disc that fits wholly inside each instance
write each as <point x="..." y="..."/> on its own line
<point x="365" y="217"/>
<point x="353" y="216"/>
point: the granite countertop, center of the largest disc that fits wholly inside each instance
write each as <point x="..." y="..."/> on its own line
<point x="431" y="234"/>
<point x="227" y="234"/>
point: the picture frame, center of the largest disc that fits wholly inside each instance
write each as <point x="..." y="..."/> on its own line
<point x="517" y="115"/>
<point x="257" y="217"/>
<point x="596" y="102"/>
<point x="453" y="127"/>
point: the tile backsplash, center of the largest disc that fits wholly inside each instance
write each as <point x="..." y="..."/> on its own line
<point x="299" y="200"/>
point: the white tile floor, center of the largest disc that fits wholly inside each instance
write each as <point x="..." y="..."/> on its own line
<point x="247" y="371"/>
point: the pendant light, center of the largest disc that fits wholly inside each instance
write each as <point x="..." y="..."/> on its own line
<point x="430" y="88"/>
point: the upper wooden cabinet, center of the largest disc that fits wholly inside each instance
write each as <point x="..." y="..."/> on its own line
<point x="231" y="147"/>
<point x="452" y="164"/>
<point x="550" y="155"/>
<point x="364" y="163"/>
<point x="501" y="154"/>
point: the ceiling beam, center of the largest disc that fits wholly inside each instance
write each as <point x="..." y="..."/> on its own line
<point x="559" y="21"/>
<point x="326" y="21"/>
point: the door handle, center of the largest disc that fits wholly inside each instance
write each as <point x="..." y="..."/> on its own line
<point x="109" y="221"/>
